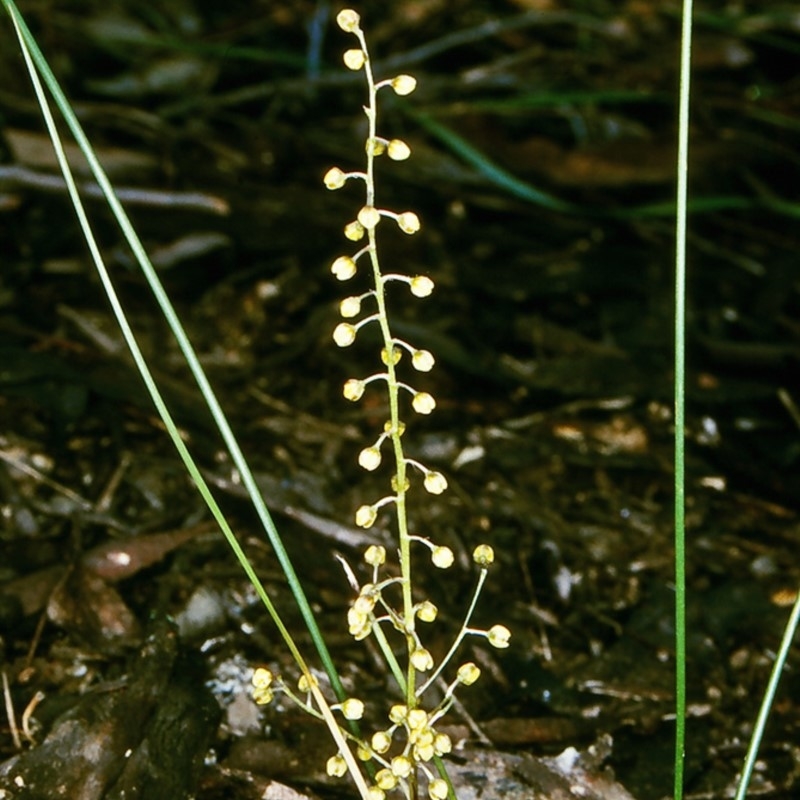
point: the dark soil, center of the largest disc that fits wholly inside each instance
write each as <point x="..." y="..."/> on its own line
<point x="542" y="136"/>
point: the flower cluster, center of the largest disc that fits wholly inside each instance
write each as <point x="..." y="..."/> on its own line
<point x="385" y="604"/>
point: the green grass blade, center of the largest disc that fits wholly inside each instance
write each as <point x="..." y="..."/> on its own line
<point x="680" y="386"/>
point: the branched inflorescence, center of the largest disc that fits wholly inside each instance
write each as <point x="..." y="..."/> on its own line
<point x="405" y="749"/>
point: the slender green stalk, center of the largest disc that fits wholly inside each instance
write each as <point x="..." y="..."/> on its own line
<point x="680" y="384"/>
<point x="392" y="384"/>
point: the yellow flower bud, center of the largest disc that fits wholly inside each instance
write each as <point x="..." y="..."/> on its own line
<point x="363" y="753"/>
<point x="359" y="624"/>
<point x="438" y="789"/>
<point x="336" y="766"/>
<point x="417" y="719"/>
<point x="404" y="84"/>
<point x="344" y="334"/>
<point x="375" y="555"/>
<point x="381" y="742"/>
<point x="421" y="660"/>
<point x="306" y="683"/>
<point x="435" y="482"/>
<point x="369" y="217"/>
<point x="421" y="286"/>
<point x="468" y="673"/>
<point x="262" y="678"/>
<point x="442" y="744"/>
<point x="348" y="20"/>
<point x="442" y="557"/>
<point x="352" y="708"/>
<point x="350" y="307"/>
<point x="398" y="150"/>
<point x="263" y="695"/>
<point x="334" y="178"/>
<point x="396" y="354"/>
<point x="499" y="636"/>
<point x="408" y="222"/>
<point x="370" y="458"/>
<point x="344" y="268"/>
<point x="354" y="389"/>
<point x="427" y="611"/>
<point x="354" y="59"/>
<point x="422" y="360"/>
<point x="375" y="792"/>
<point x="483" y="555"/>
<point x="424" y="751"/>
<point x="354" y="231"/>
<point x="366" y="516"/>
<point x="375" y="147"/>
<point x="398" y="713"/>
<point x="401" y="766"/>
<point x="423" y="402"/>
<point x="385" y="779"/>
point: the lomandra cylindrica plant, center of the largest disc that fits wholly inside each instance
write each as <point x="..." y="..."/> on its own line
<point x="404" y="749"/>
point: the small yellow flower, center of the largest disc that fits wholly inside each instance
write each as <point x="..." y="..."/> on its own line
<point x="354" y="231"/>
<point x="336" y="766"/>
<point x="359" y="624"/>
<point x="401" y="766"/>
<point x="427" y="611"/>
<point x="348" y="20"/>
<point x="423" y="402"/>
<point x="442" y="557"/>
<point x="306" y="683"/>
<point x="381" y="742"/>
<point x="398" y="150"/>
<point x="435" y="482"/>
<point x="352" y="708"/>
<point x="344" y="334"/>
<point x="363" y="753"/>
<point x="404" y="84"/>
<point x="385" y="779"/>
<point x="262" y="678"/>
<point x="442" y="744"/>
<point x="468" y="673"/>
<point x="375" y="555"/>
<point x="499" y="636"/>
<point x="375" y="793"/>
<point x="396" y="355"/>
<point x="398" y="713"/>
<point x="421" y="286"/>
<point x="417" y="719"/>
<point x="353" y="389"/>
<point x="344" y="268"/>
<point x="366" y="516"/>
<point x="408" y="222"/>
<point x="375" y="147"/>
<point x="483" y="555"/>
<point x="370" y="458"/>
<point x="369" y="217"/>
<point x="350" y="307"/>
<point x="354" y="59"/>
<point x="422" y="360"/>
<point x="438" y="789"/>
<point x="421" y="660"/>
<point x="263" y="696"/>
<point x="334" y="178"/>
